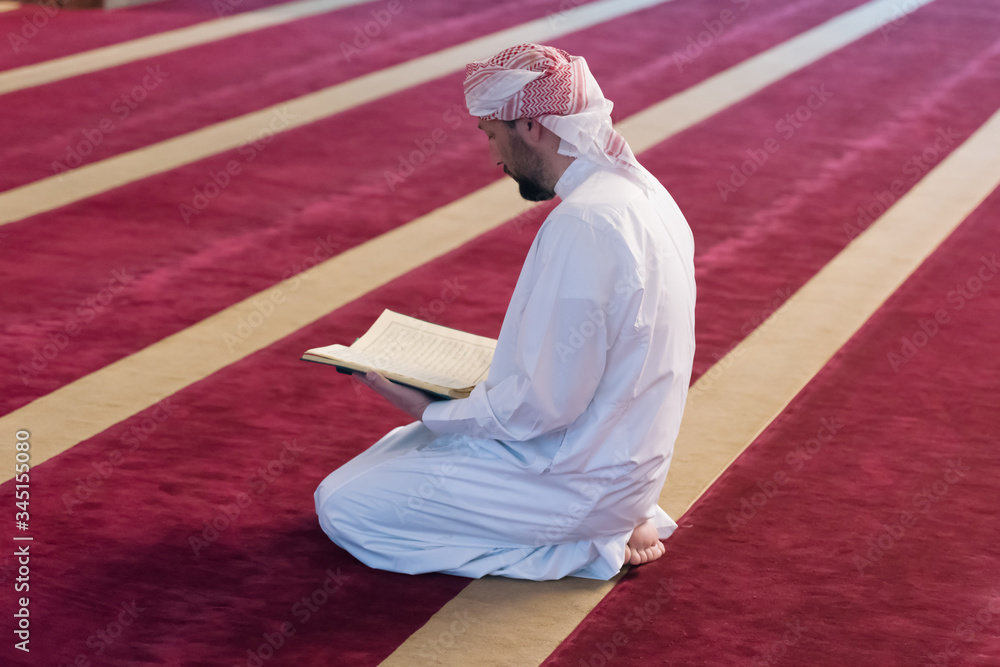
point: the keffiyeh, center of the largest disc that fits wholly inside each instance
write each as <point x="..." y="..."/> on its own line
<point x="557" y="89"/>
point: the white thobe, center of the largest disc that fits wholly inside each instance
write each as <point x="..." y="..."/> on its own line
<point x="548" y="466"/>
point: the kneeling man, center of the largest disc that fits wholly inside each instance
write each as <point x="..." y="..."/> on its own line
<point x="553" y="466"/>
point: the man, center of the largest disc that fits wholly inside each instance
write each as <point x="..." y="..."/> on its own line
<point x="553" y="466"/>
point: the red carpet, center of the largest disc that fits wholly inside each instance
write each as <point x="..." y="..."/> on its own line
<point x="156" y="529"/>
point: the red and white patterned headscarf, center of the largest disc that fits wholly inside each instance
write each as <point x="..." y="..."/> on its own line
<point x="557" y="89"/>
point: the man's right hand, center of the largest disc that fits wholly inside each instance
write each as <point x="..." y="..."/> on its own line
<point x="409" y="400"/>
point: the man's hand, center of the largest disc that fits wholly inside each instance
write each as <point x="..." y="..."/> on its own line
<point x="409" y="400"/>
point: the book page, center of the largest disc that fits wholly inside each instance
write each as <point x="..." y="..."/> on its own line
<point x="443" y="356"/>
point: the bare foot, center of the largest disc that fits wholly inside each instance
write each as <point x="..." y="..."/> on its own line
<point x="644" y="545"/>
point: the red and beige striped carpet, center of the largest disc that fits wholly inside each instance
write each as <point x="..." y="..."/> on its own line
<point x="192" y="193"/>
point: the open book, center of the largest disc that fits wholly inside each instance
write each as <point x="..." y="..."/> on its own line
<point x="436" y="359"/>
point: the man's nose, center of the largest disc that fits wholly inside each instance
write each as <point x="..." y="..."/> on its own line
<point x="495" y="154"/>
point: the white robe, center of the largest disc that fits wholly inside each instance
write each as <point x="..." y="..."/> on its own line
<point x="545" y="470"/>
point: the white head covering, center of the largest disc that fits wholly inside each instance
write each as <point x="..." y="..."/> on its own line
<point x="557" y="89"/>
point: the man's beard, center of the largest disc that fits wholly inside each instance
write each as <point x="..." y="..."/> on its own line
<point x="528" y="171"/>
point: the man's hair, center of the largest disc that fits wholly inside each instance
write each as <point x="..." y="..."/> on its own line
<point x="510" y="123"/>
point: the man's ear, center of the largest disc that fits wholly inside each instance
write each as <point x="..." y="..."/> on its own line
<point x="531" y="130"/>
